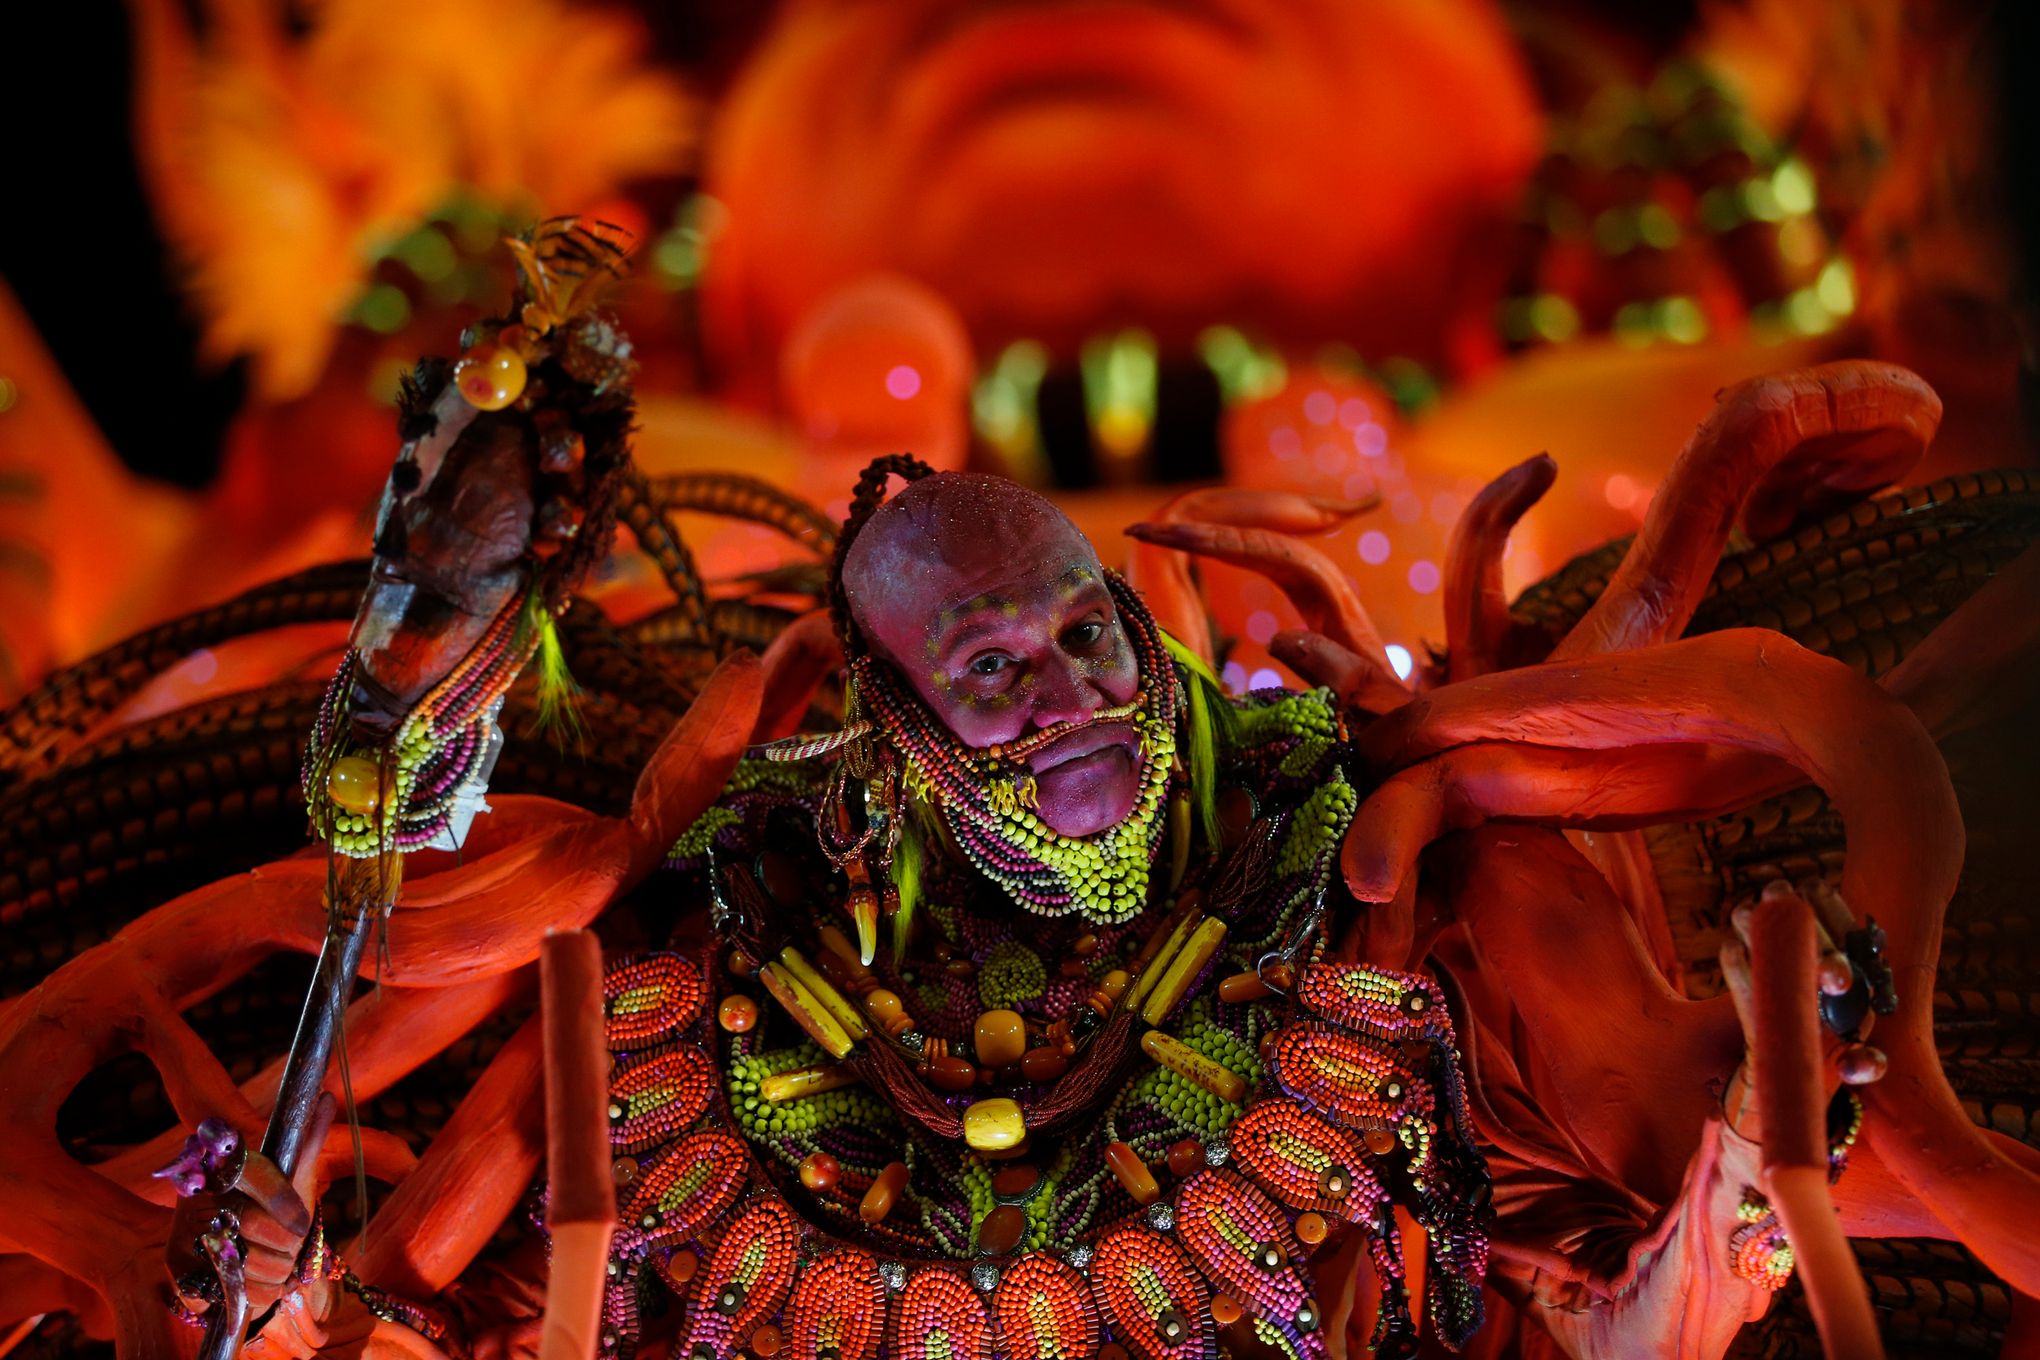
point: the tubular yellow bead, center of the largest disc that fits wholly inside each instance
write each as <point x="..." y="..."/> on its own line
<point x="1192" y="1066"/>
<point x="806" y="1010"/>
<point x="1183" y="969"/>
<point x="804" y="1081"/>
<point x="354" y="783"/>
<point x="994" y="1125"/>
<point x="832" y="1000"/>
<point x="1151" y="973"/>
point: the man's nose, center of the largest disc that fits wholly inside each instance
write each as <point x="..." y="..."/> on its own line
<point x="1064" y="694"/>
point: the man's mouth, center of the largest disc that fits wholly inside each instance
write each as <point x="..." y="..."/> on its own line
<point x="1085" y="743"/>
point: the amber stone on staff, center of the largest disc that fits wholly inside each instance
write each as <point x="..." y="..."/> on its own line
<point x="354" y="783"/>
<point x="1002" y="1229"/>
<point x="1001" y="1038"/>
<point x="737" y="1014"/>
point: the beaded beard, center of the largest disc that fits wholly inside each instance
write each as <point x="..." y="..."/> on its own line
<point x="986" y="795"/>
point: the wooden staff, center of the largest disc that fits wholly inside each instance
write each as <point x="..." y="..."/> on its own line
<point x="366" y="886"/>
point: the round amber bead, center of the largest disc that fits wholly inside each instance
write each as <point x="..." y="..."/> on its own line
<point x="682" y="1265"/>
<point x="767" y="1340"/>
<point x="490" y="376"/>
<point x="737" y="1014"/>
<point x="1225" y="1309"/>
<point x="885" y="1009"/>
<point x="1311" y="1229"/>
<point x="354" y="783"/>
<point x="819" y="1172"/>
<point x="1001" y="1038"/>
<point x="1186" y="1157"/>
<point x="1380" y="1142"/>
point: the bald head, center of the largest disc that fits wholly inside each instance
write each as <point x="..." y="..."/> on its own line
<point x="996" y="611"/>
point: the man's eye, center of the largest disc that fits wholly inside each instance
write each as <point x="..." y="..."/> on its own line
<point x="1085" y="634"/>
<point x="991" y="663"/>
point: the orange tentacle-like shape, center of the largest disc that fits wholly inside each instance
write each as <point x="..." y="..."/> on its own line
<point x="460" y="929"/>
<point x="1756" y="691"/>
<point x="1162" y="574"/>
<point x="1321" y="593"/>
<point x="1476" y="611"/>
<point x="804" y="654"/>
<point x="1774" y="448"/>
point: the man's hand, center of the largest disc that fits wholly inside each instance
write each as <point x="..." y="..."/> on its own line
<point x="269" y="1212"/>
<point x="1850" y="1060"/>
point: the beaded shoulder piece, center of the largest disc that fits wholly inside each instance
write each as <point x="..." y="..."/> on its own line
<point x="1010" y="1141"/>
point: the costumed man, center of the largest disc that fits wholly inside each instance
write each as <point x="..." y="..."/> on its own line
<point x="1027" y="1019"/>
<point x="1078" y="1017"/>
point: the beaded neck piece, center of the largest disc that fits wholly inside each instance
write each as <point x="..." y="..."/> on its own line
<point x="986" y="795"/>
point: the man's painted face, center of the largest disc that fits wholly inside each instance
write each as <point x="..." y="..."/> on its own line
<point x="996" y="612"/>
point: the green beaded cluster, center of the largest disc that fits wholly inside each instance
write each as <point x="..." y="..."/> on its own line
<point x="1103" y="878"/>
<point x="1010" y="975"/>
<point x="695" y="839"/>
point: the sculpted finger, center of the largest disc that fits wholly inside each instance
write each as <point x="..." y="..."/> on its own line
<point x="283" y="1219"/>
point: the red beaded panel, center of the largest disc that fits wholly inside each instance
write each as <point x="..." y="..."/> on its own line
<point x="648" y="999"/>
<point x="1243" y="1244"/>
<point x="657" y="1096"/>
<point x="1157" y="1302"/>
<point x="1384" y="1004"/>
<point x="1307" y="1164"/>
<point x="838" y="1308"/>
<point x="690" y="1185"/>
<point x="745" y="1281"/>
<point x="1044" y="1311"/>
<point x="938" y="1316"/>
<point x="1355" y="1080"/>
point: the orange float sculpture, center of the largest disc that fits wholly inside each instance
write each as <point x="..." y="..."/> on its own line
<point x="1049" y="1000"/>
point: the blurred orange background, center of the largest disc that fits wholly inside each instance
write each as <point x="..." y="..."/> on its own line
<point x="1375" y="250"/>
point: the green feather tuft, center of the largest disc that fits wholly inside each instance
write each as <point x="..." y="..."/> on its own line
<point x="1209" y="722"/>
<point x="906" y="880"/>
<point x="559" y="713"/>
